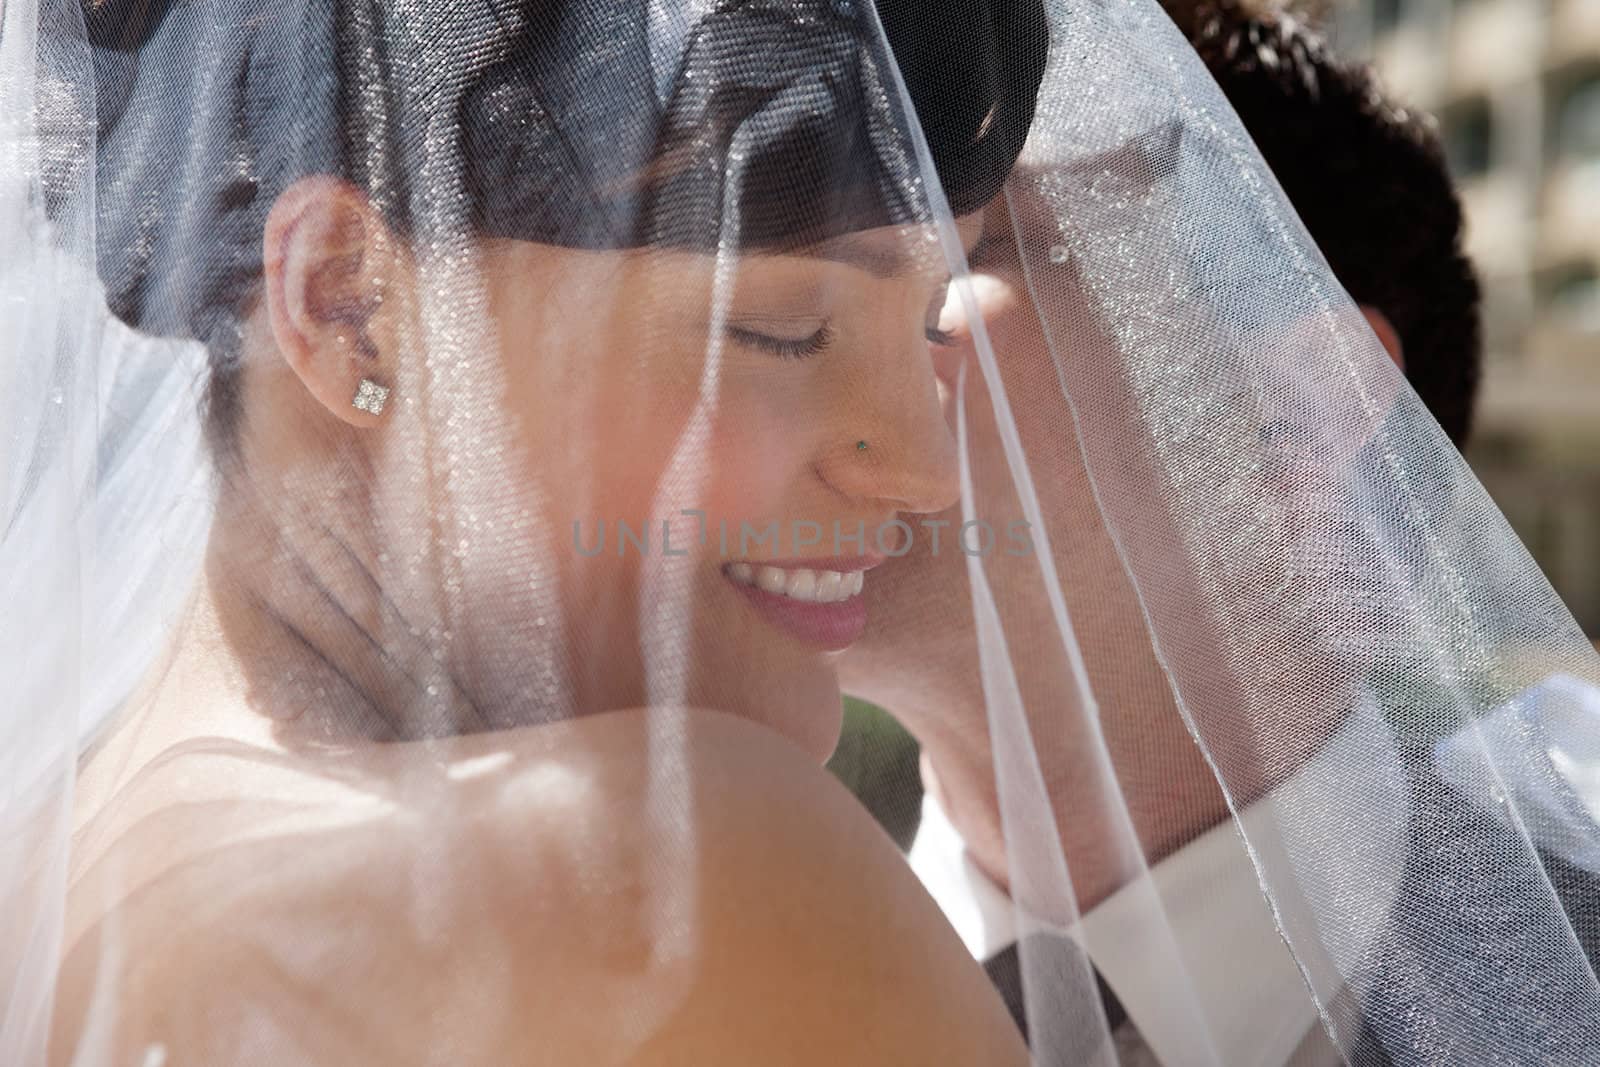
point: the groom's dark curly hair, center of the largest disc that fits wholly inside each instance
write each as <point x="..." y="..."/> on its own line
<point x="1368" y="179"/>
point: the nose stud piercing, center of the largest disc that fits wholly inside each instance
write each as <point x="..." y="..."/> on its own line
<point x="861" y="446"/>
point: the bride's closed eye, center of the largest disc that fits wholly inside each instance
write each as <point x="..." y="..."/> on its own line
<point x="785" y="343"/>
<point x="814" y="343"/>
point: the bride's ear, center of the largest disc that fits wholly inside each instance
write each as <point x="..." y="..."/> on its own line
<point x="329" y="261"/>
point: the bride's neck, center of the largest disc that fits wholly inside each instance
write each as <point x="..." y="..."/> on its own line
<point x="289" y="641"/>
<point x="327" y="655"/>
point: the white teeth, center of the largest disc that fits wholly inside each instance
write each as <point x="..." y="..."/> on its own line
<point x="802" y="585"/>
<point x="771" y="580"/>
<point x="817" y="587"/>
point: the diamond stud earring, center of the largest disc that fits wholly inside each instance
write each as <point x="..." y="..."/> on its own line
<point x="370" y="397"/>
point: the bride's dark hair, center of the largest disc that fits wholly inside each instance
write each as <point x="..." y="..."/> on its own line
<point x="584" y="123"/>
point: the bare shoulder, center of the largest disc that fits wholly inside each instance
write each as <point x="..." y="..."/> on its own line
<point x="639" y="887"/>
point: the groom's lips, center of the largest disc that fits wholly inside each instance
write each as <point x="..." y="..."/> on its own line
<point x="820" y="601"/>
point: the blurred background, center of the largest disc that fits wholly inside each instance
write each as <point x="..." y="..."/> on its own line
<point x="1515" y="88"/>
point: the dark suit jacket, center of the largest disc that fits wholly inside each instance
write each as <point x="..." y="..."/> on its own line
<point x="1457" y="978"/>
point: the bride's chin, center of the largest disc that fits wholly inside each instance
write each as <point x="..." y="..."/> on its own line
<point x="801" y="702"/>
<point x="812" y="716"/>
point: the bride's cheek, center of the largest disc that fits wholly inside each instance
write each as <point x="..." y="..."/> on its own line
<point x="754" y="469"/>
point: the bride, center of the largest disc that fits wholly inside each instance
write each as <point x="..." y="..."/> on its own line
<point x="516" y="362"/>
<point x="445" y="447"/>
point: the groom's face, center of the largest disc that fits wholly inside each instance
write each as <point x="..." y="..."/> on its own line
<point x="920" y="648"/>
<point x="919" y="656"/>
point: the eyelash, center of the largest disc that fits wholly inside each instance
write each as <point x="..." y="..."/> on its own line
<point x="782" y="347"/>
<point x="818" y="342"/>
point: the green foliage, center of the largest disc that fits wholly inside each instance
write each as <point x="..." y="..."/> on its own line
<point x="877" y="761"/>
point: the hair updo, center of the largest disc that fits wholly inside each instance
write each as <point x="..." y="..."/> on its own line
<point x="581" y="123"/>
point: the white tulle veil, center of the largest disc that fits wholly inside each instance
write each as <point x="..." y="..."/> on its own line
<point x="1340" y="616"/>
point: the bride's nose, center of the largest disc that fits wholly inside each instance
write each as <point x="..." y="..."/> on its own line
<point x="898" y="452"/>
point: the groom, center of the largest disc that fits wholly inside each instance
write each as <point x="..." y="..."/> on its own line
<point x="1386" y="216"/>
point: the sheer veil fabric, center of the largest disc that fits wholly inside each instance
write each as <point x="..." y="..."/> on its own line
<point x="682" y="320"/>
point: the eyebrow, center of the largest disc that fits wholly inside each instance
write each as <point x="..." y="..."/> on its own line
<point x="878" y="261"/>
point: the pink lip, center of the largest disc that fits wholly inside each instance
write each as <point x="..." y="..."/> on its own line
<point x="831" y="627"/>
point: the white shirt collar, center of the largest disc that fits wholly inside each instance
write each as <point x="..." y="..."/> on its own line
<point x="1243" y="975"/>
<point x="1244" y="984"/>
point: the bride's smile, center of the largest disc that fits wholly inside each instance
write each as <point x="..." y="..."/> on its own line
<point x="817" y="601"/>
